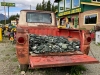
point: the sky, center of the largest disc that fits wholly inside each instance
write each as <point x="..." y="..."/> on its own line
<point x="20" y="4"/>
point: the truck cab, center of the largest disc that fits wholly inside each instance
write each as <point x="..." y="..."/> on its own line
<point x="35" y="18"/>
<point x="43" y="23"/>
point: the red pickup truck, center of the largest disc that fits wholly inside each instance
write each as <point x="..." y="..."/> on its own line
<point x="41" y="24"/>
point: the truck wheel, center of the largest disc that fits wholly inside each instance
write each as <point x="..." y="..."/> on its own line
<point x="23" y="67"/>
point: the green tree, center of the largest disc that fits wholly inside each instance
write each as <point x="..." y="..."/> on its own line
<point x="40" y="7"/>
<point x="12" y="17"/>
<point x="17" y="15"/>
<point x="44" y="6"/>
<point x="53" y="8"/>
<point x="37" y="7"/>
<point x="48" y="5"/>
<point x="56" y="7"/>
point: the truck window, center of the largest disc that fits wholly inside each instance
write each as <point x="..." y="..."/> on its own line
<point x="36" y="17"/>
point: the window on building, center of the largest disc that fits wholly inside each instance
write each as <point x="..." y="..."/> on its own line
<point x="61" y="6"/>
<point x="67" y="4"/>
<point x="96" y="0"/>
<point x="75" y="3"/>
<point x="90" y="19"/>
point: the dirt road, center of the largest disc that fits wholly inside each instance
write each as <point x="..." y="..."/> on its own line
<point x="9" y="64"/>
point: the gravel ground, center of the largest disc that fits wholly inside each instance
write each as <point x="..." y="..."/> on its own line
<point x="93" y="69"/>
<point x="8" y="61"/>
<point x="9" y="64"/>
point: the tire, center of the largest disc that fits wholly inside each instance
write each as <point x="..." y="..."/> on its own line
<point x="23" y="67"/>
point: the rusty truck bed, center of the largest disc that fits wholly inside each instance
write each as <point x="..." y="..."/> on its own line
<point x="56" y="60"/>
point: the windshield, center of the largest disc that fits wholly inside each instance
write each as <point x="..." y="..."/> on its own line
<point x="39" y="17"/>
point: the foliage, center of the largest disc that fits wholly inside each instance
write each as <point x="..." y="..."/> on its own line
<point x="12" y="17"/>
<point x="53" y="8"/>
<point x="76" y="70"/>
<point x="37" y="6"/>
<point x="46" y="6"/>
<point x="40" y="7"/>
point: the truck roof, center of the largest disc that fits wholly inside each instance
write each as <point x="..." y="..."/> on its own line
<point x="37" y="11"/>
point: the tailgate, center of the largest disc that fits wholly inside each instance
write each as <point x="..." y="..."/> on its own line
<point x="55" y="61"/>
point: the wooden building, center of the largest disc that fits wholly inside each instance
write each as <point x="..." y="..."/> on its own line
<point x="79" y="13"/>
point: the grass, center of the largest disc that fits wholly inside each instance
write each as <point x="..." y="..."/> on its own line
<point x="69" y="70"/>
<point x="7" y="55"/>
<point x="2" y="51"/>
<point x="97" y="44"/>
<point x="72" y="70"/>
<point x="12" y="49"/>
<point x="6" y="58"/>
<point x="17" y="70"/>
<point x="4" y="40"/>
<point x="14" y="59"/>
<point x="76" y="70"/>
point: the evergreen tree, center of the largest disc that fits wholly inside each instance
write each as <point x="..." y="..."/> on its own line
<point x="48" y="5"/>
<point x="37" y="7"/>
<point x="53" y="8"/>
<point x="17" y="15"/>
<point x="43" y="5"/>
<point x="56" y="7"/>
<point x="40" y="7"/>
<point x="12" y="17"/>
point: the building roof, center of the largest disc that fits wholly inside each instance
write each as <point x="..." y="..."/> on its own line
<point x="37" y="11"/>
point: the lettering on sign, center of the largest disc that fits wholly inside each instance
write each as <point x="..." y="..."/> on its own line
<point x="73" y="11"/>
<point x="7" y="4"/>
<point x="60" y="14"/>
<point x="78" y="10"/>
<point x="70" y="12"/>
<point x="67" y="12"/>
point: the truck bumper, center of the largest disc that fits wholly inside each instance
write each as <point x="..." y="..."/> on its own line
<point x="57" y="61"/>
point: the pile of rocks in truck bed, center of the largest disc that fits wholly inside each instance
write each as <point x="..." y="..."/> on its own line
<point x="40" y="44"/>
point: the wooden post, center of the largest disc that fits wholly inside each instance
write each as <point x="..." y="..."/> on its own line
<point x="30" y="7"/>
<point x="8" y="11"/>
<point x="4" y="12"/>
